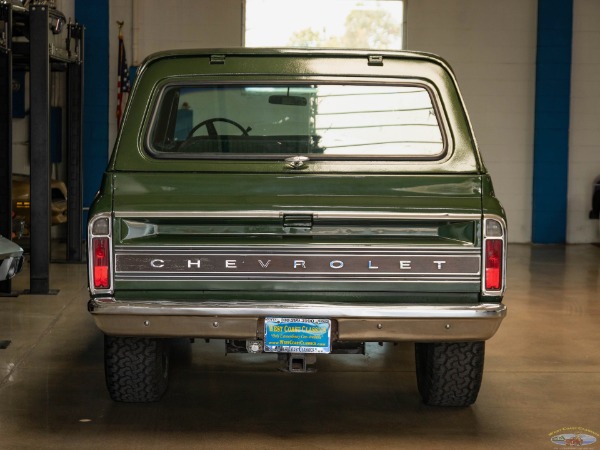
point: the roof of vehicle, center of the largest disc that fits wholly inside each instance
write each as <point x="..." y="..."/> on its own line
<point x="298" y="52"/>
<point x="294" y="51"/>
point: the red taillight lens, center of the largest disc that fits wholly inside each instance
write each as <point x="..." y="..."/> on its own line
<point x="493" y="264"/>
<point x="101" y="262"/>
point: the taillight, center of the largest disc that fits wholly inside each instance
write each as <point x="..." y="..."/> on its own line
<point x="493" y="264"/>
<point x="101" y="262"/>
<point x="99" y="254"/>
<point x="493" y="258"/>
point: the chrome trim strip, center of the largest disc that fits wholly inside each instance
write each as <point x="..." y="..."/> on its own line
<point x="110" y="305"/>
<point x="330" y="79"/>
<point x="323" y="215"/>
<point x="421" y="249"/>
<point x="468" y="280"/>
<point x="134" y="263"/>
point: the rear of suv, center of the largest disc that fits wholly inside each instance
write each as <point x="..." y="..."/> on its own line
<point x="299" y="203"/>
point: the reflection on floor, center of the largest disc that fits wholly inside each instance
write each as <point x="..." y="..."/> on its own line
<point x="542" y="378"/>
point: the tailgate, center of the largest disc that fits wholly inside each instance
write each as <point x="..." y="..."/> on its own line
<point x="281" y="236"/>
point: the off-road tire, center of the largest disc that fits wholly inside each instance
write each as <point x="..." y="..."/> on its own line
<point x="449" y="373"/>
<point x="136" y="369"/>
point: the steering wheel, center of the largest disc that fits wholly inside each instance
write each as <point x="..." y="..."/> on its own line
<point x="212" y="131"/>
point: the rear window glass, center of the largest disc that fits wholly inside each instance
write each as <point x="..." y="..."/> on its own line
<point x="328" y="121"/>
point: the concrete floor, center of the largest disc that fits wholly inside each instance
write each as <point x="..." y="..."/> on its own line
<point x="542" y="377"/>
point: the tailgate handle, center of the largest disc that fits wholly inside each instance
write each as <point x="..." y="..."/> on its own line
<point x="298" y="221"/>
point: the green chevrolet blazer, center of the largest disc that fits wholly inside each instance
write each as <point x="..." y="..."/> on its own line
<point x="297" y="203"/>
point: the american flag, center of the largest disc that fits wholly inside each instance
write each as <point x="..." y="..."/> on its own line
<point x="122" y="79"/>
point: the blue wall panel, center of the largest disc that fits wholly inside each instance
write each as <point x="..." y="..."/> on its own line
<point x="551" y="142"/>
<point x="94" y="17"/>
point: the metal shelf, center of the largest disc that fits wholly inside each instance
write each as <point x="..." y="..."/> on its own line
<point x="39" y="40"/>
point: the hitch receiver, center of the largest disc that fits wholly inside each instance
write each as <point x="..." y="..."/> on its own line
<point x="298" y="362"/>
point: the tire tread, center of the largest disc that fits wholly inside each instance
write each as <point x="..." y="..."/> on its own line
<point x="136" y="369"/>
<point x="450" y="373"/>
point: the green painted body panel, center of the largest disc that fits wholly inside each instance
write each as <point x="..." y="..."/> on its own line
<point x="371" y="205"/>
<point x="190" y="191"/>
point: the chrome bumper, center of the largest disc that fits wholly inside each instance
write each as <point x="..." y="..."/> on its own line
<point x="245" y="320"/>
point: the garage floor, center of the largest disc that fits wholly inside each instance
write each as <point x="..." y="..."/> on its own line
<point x="542" y="378"/>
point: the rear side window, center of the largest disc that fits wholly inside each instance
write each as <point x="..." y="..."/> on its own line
<point x="321" y="121"/>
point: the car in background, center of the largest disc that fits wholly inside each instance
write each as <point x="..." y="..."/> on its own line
<point x="11" y="259"/>
<point x="22" y="202"/>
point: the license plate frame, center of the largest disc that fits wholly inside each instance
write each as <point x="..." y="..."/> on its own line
<point x="297" y="335"/>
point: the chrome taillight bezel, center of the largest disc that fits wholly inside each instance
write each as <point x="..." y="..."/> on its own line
<point x="94" y="233"/>
<point x="487" y="237"/>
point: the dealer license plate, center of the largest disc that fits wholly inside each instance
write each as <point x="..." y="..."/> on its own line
<point x="293" y="335"/>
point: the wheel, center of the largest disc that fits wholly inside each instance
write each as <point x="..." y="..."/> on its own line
<point x="210" y="126"/>
<point x="136" y="369"/>
<point x="449" y="373"/>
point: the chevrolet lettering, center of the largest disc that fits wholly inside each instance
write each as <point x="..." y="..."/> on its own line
<point x="129" y="264"/>
<point x="296" y="204"/>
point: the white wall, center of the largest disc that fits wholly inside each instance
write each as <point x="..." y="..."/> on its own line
<point x="491" y="45"/>
<point x="178" y="24"/>
<point x="584" y="133"/>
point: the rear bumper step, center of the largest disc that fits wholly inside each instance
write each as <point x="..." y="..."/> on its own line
<point x="245" y="320"/>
